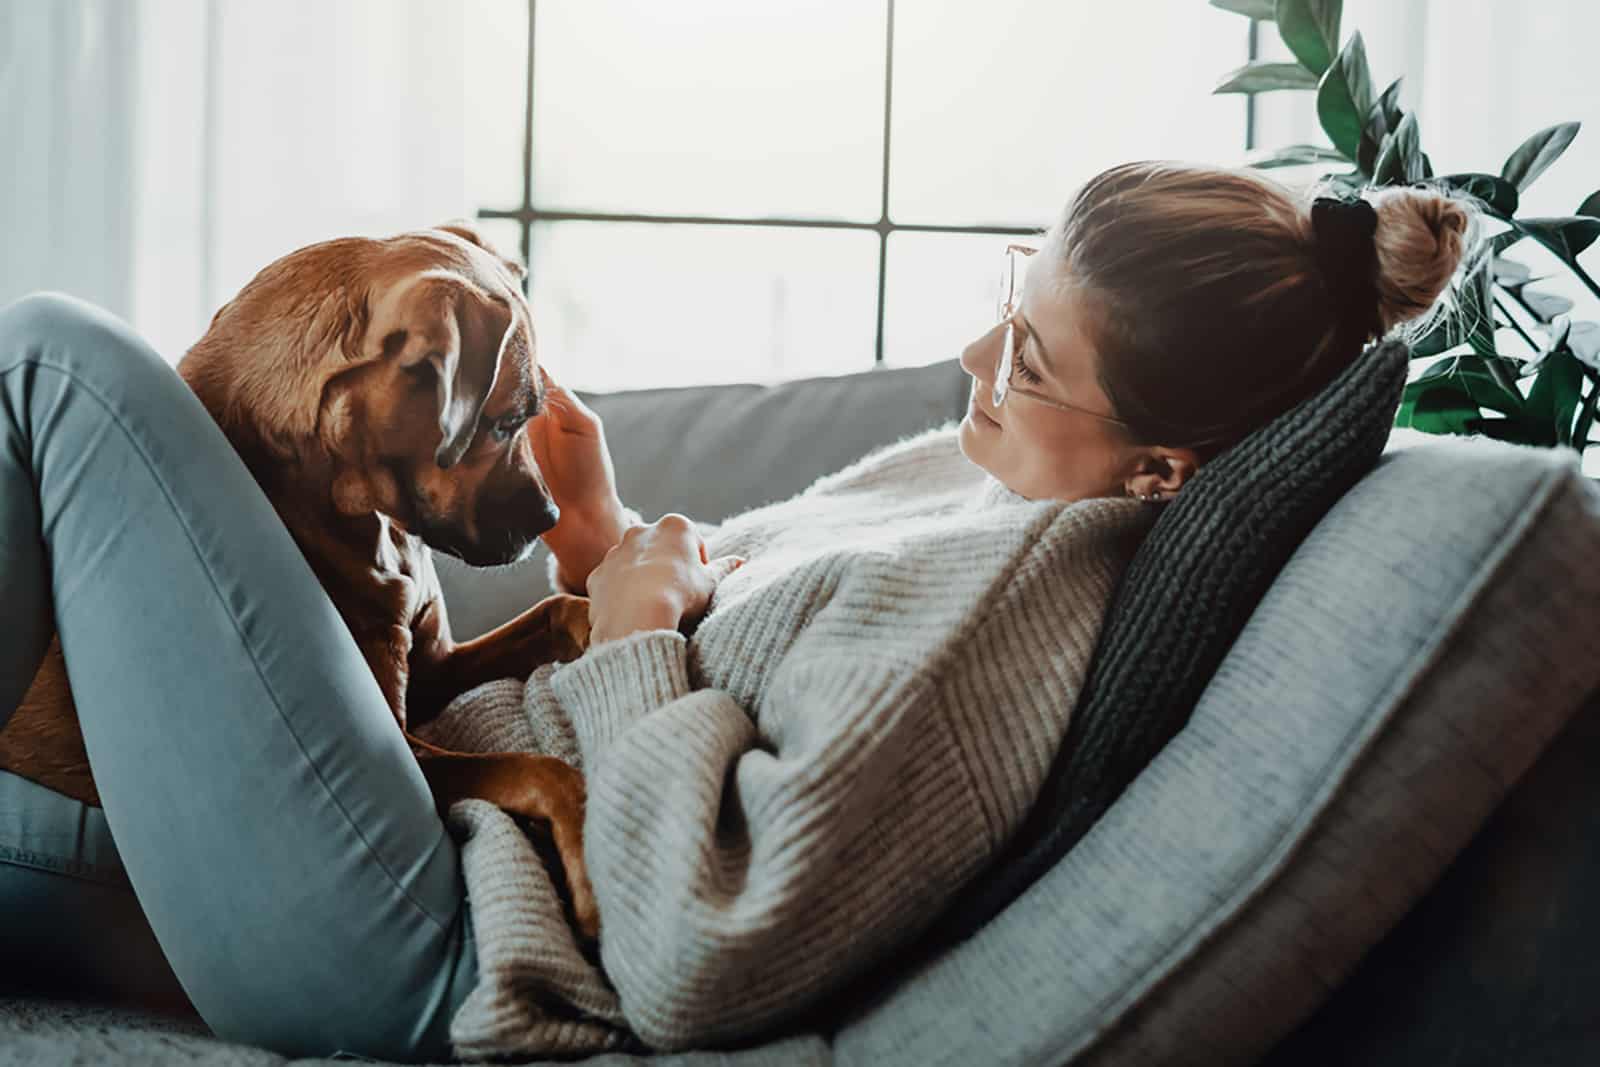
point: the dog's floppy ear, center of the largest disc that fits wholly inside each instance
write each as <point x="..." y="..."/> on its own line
<point x="442" y="320"/>
<point x="469" y="233"/>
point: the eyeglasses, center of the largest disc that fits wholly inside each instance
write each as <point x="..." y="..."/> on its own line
<point x="1011" y="282"/>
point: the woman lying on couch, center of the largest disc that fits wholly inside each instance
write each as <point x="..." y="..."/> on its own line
<point x="862" y="716"/>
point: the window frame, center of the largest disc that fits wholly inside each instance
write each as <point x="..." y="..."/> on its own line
<point x="528" y="212"/>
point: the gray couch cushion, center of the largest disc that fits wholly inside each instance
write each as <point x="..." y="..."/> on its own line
<point x="713" y="451"/>
<point x="1410" y="662"/>
<point x="1497" y="964"/>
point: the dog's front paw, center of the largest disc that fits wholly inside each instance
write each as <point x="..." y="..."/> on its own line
<point x="568" y="619"/>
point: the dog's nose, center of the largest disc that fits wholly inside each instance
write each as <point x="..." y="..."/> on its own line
<point x="549" y="516"/>
<point x="530" y="513"/>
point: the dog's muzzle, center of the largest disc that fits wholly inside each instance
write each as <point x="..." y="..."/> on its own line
<point x="507" y="531"/>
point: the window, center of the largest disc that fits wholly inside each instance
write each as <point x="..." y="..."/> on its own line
<point x="708" y="190"/>
<point x="726" y="191"/>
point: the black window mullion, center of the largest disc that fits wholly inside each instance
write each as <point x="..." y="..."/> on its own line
<point x="884" y="225"/>
<point x="526" y="218"/>
<point x="527" y="214"/>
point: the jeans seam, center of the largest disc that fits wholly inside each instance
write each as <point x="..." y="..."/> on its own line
<point x="255" y="663"/>
<point x="53" y="863"/>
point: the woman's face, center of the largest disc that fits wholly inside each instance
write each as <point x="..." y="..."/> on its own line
<point x="1035" y="449"/>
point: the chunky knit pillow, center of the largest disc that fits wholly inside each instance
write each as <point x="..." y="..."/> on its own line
<point x="1181" y="603"/>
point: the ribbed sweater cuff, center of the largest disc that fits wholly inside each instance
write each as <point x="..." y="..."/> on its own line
<point x="615" y="684"/>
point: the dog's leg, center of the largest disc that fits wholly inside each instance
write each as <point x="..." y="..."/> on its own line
<point x="41" y="741"/>
<point x="534" y="787"/>
<point x="556" y="629"/>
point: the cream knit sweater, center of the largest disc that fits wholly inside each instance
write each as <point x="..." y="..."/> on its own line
<point x="861" y="719"/>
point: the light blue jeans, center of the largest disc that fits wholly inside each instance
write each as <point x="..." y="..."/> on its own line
<point x="276" y="833"/>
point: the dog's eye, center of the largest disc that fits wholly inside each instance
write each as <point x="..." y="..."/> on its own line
<point x="506" y="428"/>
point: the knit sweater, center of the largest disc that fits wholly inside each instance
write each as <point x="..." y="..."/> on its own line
<point x="859" y="722"/>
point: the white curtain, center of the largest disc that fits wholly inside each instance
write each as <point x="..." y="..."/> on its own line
<point x="161" y="151"/>
<point x="68" y="147"/>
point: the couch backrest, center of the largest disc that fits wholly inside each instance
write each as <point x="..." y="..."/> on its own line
<point x="713" y="451"/>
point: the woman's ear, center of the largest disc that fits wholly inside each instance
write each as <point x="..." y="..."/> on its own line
<point x="1162" y="471"/>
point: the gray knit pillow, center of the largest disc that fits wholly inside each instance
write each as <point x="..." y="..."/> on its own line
<point x="1182" y="601"/>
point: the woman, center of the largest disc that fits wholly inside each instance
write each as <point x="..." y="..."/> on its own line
<point x="876" y="693"/>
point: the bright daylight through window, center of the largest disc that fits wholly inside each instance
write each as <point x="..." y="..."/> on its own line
<point x="728" y="110"/>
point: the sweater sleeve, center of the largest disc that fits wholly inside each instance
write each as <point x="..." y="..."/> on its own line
<point x="742" y="875"/>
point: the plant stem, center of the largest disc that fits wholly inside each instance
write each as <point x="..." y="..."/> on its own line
<point x="1583" y="277"/>
<point x="1513" y="323"/>
<point x="1562" y="254"/>
<point x="1580" y="435"/>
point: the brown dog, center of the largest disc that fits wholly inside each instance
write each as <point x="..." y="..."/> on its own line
<point x="376" y="389"/>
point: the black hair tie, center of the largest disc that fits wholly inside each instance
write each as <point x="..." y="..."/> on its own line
<point x="1348" y="258"/>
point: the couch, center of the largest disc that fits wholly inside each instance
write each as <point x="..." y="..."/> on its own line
<point x="1370" y="844"/>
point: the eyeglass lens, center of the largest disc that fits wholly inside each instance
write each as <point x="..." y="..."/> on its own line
<point x="1010" y="285"/>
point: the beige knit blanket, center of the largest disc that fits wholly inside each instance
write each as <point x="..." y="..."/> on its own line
<point x="862" y="718"/>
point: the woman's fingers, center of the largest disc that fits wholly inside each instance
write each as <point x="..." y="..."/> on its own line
<point x="565" y="403"/>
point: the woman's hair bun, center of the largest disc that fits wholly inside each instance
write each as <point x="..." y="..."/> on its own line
<point x="1421" y="238"/>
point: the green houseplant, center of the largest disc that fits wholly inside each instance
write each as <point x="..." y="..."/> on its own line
<point x="1507" y="359"/>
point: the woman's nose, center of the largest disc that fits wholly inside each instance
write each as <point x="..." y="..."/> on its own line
<point x="978" y="358"/>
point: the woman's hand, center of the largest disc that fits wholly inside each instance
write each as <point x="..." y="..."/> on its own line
<point x="656" y="578"/>
<point x="569" y="444"/>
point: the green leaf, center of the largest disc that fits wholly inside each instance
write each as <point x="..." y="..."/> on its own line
<point x="1553" y="400"/>
<point x="1295" y="155"/>
<point x="1256" y="9"/>
<point x="1590" y="205"/>
<point x="1519" y="430"/>
<point x="1466" y="321"/>
<point x="1495" y="193"/>
<point x="1502" y="241"/>
<point x="1435" y="407"/>
<point x="1386" y="112"/>
<point x="1537" y="153"/>
<point x="1399" y="156"/>
<point x="1385" y="166"/>
<point x="1545" y="306"/>
<point x="1580" y="434"/>
<point x="1263" y="77"/>
<point x="1510" y="273"/>
<point x="1409" y="140"/>
<point x="1487" y="380"/>
<point x="1344" y="96"/>
<point x="1555" y="340"/>
<point x="1584" y="341"/>
<point x="1311" y="30"/>
<point x="1443" y="336"/>
<point x="1566" y="237"/>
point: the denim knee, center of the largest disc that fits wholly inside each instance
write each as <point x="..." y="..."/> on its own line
<point x="26" y="324"/>
<point x="98" y="353"/>
<point x="76" y="335"/>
